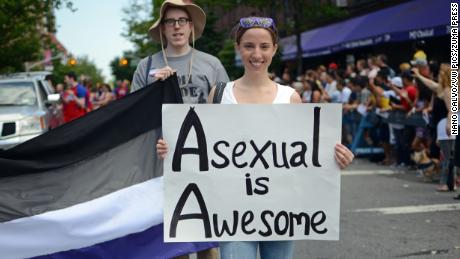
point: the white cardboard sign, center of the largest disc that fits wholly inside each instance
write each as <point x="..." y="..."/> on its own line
<point x="251" y="172"/>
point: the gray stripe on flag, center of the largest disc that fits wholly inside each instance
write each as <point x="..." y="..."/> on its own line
<point x="132" y="162"/>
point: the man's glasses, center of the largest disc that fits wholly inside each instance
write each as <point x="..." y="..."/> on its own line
<point x="172" y="22"/>
<point x="250" y="22"/>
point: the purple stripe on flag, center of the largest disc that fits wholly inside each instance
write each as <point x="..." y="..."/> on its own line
<point x="147" y="244"/>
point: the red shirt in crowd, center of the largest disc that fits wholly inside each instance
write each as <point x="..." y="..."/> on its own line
<point x="71" y="109"/>
<point x="412" y="94"/>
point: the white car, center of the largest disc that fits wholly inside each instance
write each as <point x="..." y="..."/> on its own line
<point x="27" y="108"/>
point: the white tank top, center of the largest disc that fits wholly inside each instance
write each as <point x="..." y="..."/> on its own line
<point x="283" y="94"/>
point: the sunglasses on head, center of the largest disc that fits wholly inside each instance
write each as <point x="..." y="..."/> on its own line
<point x="250" y="22"/>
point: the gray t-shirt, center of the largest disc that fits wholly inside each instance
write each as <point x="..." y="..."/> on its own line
<point x="207" y="70"/>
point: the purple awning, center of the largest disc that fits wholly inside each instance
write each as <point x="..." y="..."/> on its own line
<point x="408" y="21"/>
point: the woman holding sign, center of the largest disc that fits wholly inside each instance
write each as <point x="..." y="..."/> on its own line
<point x="256" y="40"/>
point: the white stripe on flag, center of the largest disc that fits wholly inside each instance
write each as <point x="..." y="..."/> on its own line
<point x="129" y="210"/>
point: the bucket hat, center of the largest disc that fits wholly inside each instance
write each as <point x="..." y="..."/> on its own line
<point x="197" y="16"/>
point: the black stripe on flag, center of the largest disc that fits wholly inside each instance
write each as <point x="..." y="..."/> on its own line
<point x="127" y="164"/>
<point x="92" y="134"/>
<point x="95" y="155"/>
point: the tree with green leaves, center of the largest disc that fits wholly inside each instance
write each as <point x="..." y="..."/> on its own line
<point x="227" y="57"/>
<point x="24" y="27"/>
<point x="139" y="16"/>
<point x="212" y="40"/>
<point x="123" y="67"/>
<point x="84" y="66"/>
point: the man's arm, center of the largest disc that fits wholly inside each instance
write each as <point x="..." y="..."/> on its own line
<point x="81" y="102"/>
<point x="139" y="76"/>
<point x="80" y="98"/>
<point x="432" y="85"/>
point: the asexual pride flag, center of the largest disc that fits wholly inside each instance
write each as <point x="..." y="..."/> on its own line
<point x="91" y="188"/>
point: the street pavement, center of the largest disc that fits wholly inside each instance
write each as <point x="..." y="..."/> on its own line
<point x="387" y="213"/>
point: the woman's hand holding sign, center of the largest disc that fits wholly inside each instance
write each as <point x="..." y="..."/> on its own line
<point x="162" y="148"/>
<point x="343" y="156"/>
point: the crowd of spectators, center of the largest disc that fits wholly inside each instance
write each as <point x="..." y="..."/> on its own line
<point x="80" y="96"/>
<point x="400" y="110"/>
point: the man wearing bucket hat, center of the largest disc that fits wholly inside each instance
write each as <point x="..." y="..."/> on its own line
<point x="178" y="25"/>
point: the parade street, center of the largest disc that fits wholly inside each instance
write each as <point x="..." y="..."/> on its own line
<point x="387" y="213"/>
<point x="183" y="129"/>
<point x="390" y="214"/>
